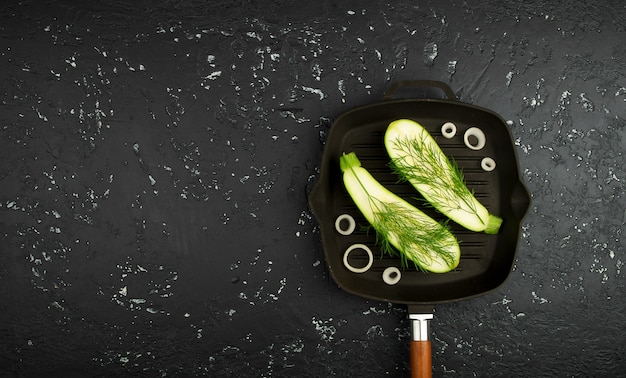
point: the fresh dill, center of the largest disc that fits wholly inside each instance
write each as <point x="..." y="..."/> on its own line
<point x="417" y="241"/>
<point x="401" y="229"/>
<point x="423" y="163"/>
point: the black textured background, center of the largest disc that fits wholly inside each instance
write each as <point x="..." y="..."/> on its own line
<point x="155" y="160"/>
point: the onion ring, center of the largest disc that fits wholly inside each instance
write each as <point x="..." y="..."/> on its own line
<point x="351" y="224"/>
<point x="369" y="255"/>
<point x="391" y="275"/>
<point x="478" y="134"/>
<point x="448" y="130"/>
<point x="488" y="164"/>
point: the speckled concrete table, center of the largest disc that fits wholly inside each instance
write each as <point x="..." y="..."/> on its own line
<point x="156" y="158"/>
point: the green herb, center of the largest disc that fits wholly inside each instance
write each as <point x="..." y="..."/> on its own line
<point x="417" y="158"/>
<point x="415" y="236"/>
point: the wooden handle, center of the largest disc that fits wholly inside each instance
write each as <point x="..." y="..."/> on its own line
<point x="421" y="359"/>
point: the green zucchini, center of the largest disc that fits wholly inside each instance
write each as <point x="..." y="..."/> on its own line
<point x="417" y="158"/>
<point x="429" y="244"/>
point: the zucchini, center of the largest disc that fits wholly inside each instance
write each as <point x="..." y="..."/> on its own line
<point x="429" y="244"/>
<point x="417" y="158"/>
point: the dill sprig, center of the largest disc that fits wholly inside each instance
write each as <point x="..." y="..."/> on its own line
<point x="415" y="236"/>
<point x="415" y="240"/>
<point x="424" y="163"/>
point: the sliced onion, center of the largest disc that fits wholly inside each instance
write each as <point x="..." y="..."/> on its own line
<point x="476" y="133"/>
<point x="351" y="224"/>
<point x="391" y="275"/>
<point x="488" y="164"/>
<point x="448" y="130"/>
<point x="369" y="255"/>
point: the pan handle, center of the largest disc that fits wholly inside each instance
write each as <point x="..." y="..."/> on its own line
<point x="421" y="359"/>
<point x="427" y="89"/>
<point x="421" y="353"/>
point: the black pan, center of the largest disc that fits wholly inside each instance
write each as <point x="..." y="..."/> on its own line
<point x="486" y="260"/>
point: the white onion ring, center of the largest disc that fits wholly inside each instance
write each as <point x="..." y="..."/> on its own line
<point x="478" y="134"/>
<point x="351" y="224"/>
<point x="488" y="164"/>
<point x="448" y="130"/>
<point x="391" y="275"/>
<point x="369" y="255"/>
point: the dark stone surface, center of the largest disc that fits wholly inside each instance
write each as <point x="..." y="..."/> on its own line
<point x="156" y="158"/>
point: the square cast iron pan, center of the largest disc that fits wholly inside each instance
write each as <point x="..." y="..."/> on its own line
<point x="486" y="260"/>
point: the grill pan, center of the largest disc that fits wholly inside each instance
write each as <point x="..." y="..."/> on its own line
<point x="486" y="260"/>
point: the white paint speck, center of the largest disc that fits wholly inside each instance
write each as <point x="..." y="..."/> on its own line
<point x="283" y="283"/>
<point x="341" y="86"/>
<point x="452" y="67"/>
<point x="213" y="75"/>
<point x="254" y="35"/>
<point x="585" y="102"/>
<point x="509" y="77"/>
<point x="374" y="332"/>
<point x="316" y="91"/>
<point x="504" y="301"/>
<point x="324" y="328"/>
<point x="41" y="116"/>
<point x="538" y="299"/>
